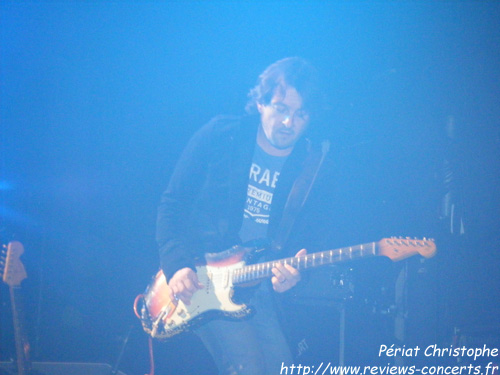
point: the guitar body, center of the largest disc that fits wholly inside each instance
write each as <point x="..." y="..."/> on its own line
<point x="163" y="317"/>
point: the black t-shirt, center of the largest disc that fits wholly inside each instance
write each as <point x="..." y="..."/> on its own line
<point x="262" y="181"/>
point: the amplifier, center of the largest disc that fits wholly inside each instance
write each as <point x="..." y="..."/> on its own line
<point x="61" y="368"/>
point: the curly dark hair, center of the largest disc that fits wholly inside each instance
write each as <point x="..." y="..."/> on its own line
<point x="292" y="71"/>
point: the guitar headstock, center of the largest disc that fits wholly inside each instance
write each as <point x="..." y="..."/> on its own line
<point x="401" y="248"/>
<point x="13" y="270"/>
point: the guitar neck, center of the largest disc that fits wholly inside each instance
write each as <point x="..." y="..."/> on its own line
<point x="264" y="270"/>
<point x="22" y="345"/>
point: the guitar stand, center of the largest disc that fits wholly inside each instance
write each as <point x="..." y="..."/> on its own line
<point x="344" y="282"/>
<point x="342" y="333"/>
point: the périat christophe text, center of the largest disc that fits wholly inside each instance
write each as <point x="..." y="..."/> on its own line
<point x="439" y="352"/>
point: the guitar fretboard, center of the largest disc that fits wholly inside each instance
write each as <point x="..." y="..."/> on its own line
<point x="22" y="346"/>
<point x="264" y="270"/>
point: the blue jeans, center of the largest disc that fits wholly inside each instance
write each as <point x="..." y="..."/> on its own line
<point x="253" y="346"/>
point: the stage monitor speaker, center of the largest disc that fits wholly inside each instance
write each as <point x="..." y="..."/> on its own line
<point x="61" y="368"/>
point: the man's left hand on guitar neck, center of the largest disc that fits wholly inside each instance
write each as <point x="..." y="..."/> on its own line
<point x="285" y="276"/>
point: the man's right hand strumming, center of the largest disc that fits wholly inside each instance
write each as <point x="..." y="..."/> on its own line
<point x="183" y="284"/>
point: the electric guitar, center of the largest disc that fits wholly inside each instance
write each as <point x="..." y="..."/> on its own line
<point x="162" y="317"/>
<point x="13" y="273"/>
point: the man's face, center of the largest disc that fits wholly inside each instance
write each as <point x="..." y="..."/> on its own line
<point x="283" y="121"/>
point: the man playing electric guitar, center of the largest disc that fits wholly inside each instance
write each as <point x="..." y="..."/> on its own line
<point x="232" y="185"/>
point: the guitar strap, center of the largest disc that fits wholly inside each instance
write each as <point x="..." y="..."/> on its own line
<point x="299" y="193"/>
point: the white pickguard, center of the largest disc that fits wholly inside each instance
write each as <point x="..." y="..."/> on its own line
<point x="216" y="295"/>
